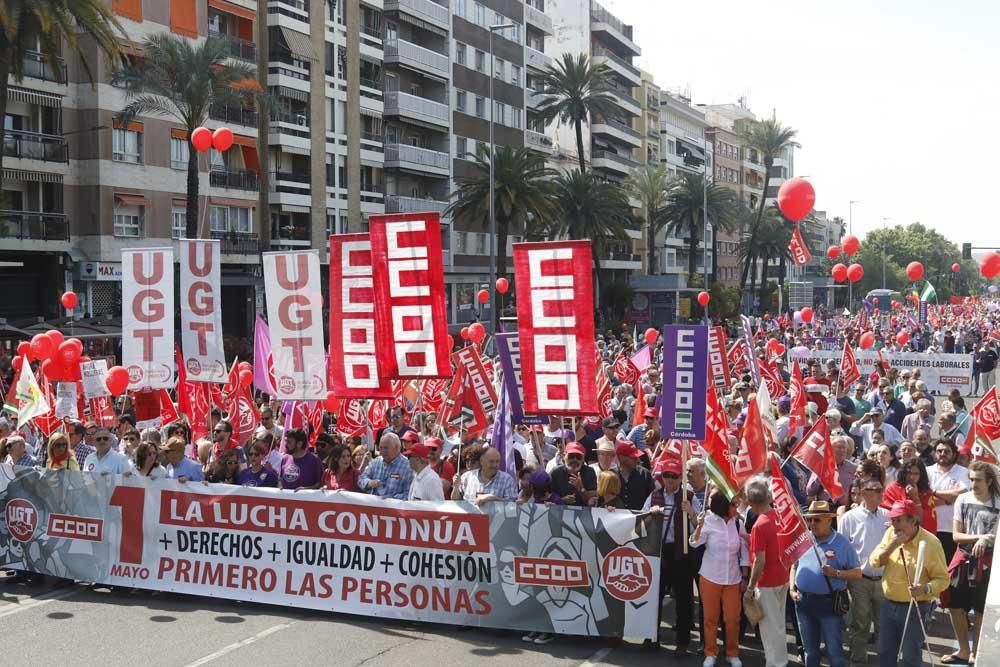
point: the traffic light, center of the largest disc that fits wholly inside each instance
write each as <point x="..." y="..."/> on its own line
<point x="966" y="251"/>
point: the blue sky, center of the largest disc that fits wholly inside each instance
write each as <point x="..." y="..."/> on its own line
<point x="896" y="103"/>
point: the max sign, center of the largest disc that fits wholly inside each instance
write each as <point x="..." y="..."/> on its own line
<point x="685" y="370"/>
<point x="201" y="312"/>
<point x="148" y="317"/>
<point x="295" y="314"/>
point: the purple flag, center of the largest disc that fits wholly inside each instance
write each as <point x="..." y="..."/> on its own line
<point x="509" y="351"/>
<point x="685" y="381"/>
<point x="503" y="434"/>
<point x="263" y="364"/>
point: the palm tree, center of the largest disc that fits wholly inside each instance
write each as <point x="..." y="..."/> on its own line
<point x="770" y="139"/>
<point x="649" y="185"/>
<point x="684" y="213"/>
<point x="770" y="243"/>
<point x="52" y="23"/>
<point x="181" y="79"/>
<point x="574" y="91"/>
<point x="522" y="190"/>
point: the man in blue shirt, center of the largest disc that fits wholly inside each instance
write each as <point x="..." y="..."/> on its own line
<point x="180" y="467"/>
<point x="104" y="459"/>
<point x="637" y="436"/>
<point x="390" y="475"/>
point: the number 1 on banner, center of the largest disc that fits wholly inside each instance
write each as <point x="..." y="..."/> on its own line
<point x="132" y="502"/>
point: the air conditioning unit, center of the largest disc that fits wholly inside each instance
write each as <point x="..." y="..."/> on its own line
<point x="301" y="119"/>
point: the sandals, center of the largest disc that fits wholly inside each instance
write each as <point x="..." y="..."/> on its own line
<point x="954" y="659"/>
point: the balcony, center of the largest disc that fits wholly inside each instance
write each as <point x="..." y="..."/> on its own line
<point x="290" y="117"/>
<point x="538" y="141"/>
<point x="417" y="58"/>
<point x="755" y="166"/>
<point x="412" y="158"/>
<point x="425" y="10"/>
<point x="240" y="49"/>
<point x="233" y="243"/>
<point x="539" y="19"/>
<point x="235" y="115"/>
<point x="619" y="131"/>
<point x="234" y="180"/>
<point x="626" y="101"/>
<point x="418" y="109"/>
<point x="293" y="234"/>
<point x="37" y="67"/>
<point x="400" y="204"/>
<point x="536" y="59"/>
<point x="534" y="98"/>
<point x="603" y="21"/>
<point x="35" y="146"/>
<point x="33" y="226"/>
<point x="617" y="64"/>
<point x="613" y="161"/>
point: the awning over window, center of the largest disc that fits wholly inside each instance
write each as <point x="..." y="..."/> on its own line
<point x="33" y="97"/>
<point x="694" y="150"/>
<point x="298" y="43"/>
<point x="230" y="8"/>
<point x="250" y="160"/>
<point x="243" y="140"/>
<point x="178" y="133"/>
<point x="290" y="93"/>
<point x="32" y="176"/>
<point x="229" y="201"/>
<point x="184" y="18"/>
<point x="130" y="200"/>
<point x="134" y="126"/>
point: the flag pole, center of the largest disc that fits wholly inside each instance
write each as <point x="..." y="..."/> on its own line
<point x="684" y="493"/>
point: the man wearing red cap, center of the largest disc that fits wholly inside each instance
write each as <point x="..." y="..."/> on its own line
<point x="409" y="438"/>
<point x="574" y="482"/>
<point x="637" y="483"/>
<point x="426" y="484"/>
<point x="897" y="553"/>
<point x="637" y="436"/>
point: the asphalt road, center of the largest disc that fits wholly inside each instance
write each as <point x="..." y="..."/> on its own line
<point x="77" y="624"/>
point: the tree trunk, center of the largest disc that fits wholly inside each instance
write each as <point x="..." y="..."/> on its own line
<point x="5" y="67"/>
<point x="751" y="261"/>
<point x="650" y="244"/>
<point x="191" y="214"/>
<point x="763" y="285"/>
<point x="579" y="146"/>
<point x="756" y="226"/>
<point x="692" y="250"/>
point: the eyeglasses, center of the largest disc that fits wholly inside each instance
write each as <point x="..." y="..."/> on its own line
<point x="61" y="445"/>
<point x="102" y="438"/>
<point x="813" y="519"/>
<point x="91" y="432"/>
<point x="219" y="430"/>
<point x="873" y="489"/>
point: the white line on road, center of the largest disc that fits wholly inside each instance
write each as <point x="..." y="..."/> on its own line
<point x="240" y="644"/>
<point x="31" y="603"/>
<point x="597" y="658"/>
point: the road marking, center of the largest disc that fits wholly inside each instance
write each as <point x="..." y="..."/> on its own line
<point x="33" y="602"/>
<point x="240" y="644"/>
<point x="597" y="658"/>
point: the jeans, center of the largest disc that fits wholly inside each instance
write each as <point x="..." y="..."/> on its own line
<point x="818" y="622"/>
<point x="866" y="597"/>
<point x="892" y="618"/>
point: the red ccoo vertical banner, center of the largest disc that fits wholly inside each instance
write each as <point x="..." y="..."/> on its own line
<point x="555" y="314"/>
<point x="411" y="325"/>
<point x="353" y="369"/>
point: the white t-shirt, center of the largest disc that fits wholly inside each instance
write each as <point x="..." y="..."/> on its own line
<point x="977" y="518"/>
<point x="947" y="480"/>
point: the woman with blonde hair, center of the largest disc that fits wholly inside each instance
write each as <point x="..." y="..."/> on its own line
<point x="609" y="488"/>
<point x="60" y="458"/>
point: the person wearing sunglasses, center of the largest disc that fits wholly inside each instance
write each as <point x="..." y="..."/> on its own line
<point x="60" y="458"/>
<point x="147" y="461"/>
<point x="178" y="466"/>
<point x="81" y="450"/>
<point x="105" y="460"/>
<point x="268" y="425"/>
<point x="225" y="469"/>
<point x="257" y="473"/>
<point x="130" y="440"/>
<point x="864" y="527"/>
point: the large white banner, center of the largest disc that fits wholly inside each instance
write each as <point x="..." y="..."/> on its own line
<point x="148" y="317"/>
<point x="941" y="372"/>
<point x="201" y="312"/>
<point x="295" y="316"/>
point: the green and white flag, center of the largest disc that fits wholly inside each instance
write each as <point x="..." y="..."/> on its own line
<point x="30" y="401"/>
<point x="928" y="293"/>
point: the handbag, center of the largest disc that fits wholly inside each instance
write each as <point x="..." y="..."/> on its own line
<point x="841" y="599"/>
<point x="753" y="610"/>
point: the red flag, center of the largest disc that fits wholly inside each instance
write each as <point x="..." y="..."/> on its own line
<point x="377" y="414"/>
<point x="351" y="419"/>
<point x="603" y="392"/>
<point x="797" y="392"/>
<point x="815" y="452"/>
<point x="315" y="423"/>
<point x="432" y="393"/>
<point x="986" y="412"/>
<point x="243" y="415"/>
<point x="718" y="362"/>
<point x="625" y="369"/>
<point x="772" y="377"/>
<point x="800" y="252"/>
<point x="737" y="355"/>
<point x="639" y="408"/>
<point x="168" y="413"/>
<point x="752" y="455"/>
<point x="718" y="463"/>
<point x="230" y="389"/>
<point x="102" y="411"/>
<point x="850" y="372"/>
<point x="48" y="422"/>
<point x="452" y="407"/>
<point x="793" y="536"/>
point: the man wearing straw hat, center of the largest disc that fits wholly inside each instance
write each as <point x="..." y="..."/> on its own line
<point x="914" y="573"/>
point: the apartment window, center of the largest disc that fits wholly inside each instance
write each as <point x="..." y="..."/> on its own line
<point x="480" y="61"/>
<point x="127" y="146"/>
<point x="482" y="240"/>
<point x="460" y="243"/>
<point x="461" y="8"/>
<point x="461" y="147"/>
<point x="479" y="18"/>
<point x="516" y="118"/>
<point x="480" y="106"/>
<point x="515" y="75"/>
<point x="242" y="219"/>
<point x="460" y="100"/>
<point x="178" y="223"/>
<point x="178" y="153"/>
<point x="129" y="224"/>
<point x="216" y="160"/>
<point x="460" y="52"/>
<point x="499" y="68"/>
<point x="218" y="219"/>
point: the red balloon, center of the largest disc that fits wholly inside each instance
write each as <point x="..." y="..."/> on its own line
<point x="222" y="139"/>
<point x="850" y="244"/>
<point x="867" y="340"/>
<point x="807" y="314"/>
<point x="503" y="285"/>
<point x="903" y="337"/>
<point x="956" y="267"/>
<point x="703" y="298"/>
<point x="914" y="271"/>
<point x="796" y="198"/>
<point x="464" y="333"/>
<point x="451" y="342"/>
<point x="56" y="337"/>
<point x="330" y="403"/>
<point x="477" y="332"/>
<point x="833" y="252"/>
<point x="838" y="272"/>
<point x="989" y="265"/>
<point x="68" y="354"/>
<point x="53" y="370"/>
<point x="17" y="362"/>
<point x="651" y="335"/>
<point x="23" y="348"/>
<point x="41" y="347"/>
<point x="201" y="139"/>
<point x="69" y="300"/>
<point x="483" y="296"/>
<point x="117" y="380"/>
<point x="245" y="377"/>
<point x="855" y="272"/>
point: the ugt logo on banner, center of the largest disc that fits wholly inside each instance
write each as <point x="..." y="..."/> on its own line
<point x="685" y="380"/>
<point x="201" y="311"/>
<point x="148" y="317"/>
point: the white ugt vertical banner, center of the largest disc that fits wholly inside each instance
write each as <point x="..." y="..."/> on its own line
<point x="201" y="312"/>
<point x="148" y="317"/>
<point x="295" y="316"/>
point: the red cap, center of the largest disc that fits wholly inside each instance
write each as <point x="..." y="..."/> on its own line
<point x="433" y="442"/>
<point x="626" y="448"/>
<point x="650" y="412"/>
<point x="411" y="436"/>
<point x="575" y="448"/>
<point x="903" y="508"/>
<point x="665" y="465"/>
<point x="419" y="450"/>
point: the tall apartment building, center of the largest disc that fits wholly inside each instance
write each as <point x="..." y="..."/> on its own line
<point x="727" y="172"/>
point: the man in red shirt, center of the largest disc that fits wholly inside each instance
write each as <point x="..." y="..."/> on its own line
<point x="768" y="577"/>
<point x="817" y="387"/>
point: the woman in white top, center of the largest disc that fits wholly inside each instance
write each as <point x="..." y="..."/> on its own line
<point x="724" y="570"/>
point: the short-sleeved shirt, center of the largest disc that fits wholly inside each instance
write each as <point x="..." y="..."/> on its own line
<point x="187" y="469"/>
<point x="977" y="518"/>
<point x="764" y="537"/>
<point x="264" y="478"/>
<point x="956" y="477"/>
<point x="502" y="486"/>
<point x="112" y="462"/>
<point x="837" y="552"/>
<point x="294" y="473"/>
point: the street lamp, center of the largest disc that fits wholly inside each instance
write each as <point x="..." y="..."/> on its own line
<point x="493" y="219"/>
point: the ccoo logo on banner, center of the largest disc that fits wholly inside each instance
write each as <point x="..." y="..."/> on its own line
<point x="148" y="317"/>
<point x="685" y="368"/>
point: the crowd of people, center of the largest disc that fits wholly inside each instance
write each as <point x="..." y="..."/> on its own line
<point x="903" y="459"/>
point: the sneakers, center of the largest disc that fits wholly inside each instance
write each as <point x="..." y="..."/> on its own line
<point x="544" y="638"/>
<point x="735" y="662"/>
<point x="709" y="661"/>
<point x="530" y="637"/>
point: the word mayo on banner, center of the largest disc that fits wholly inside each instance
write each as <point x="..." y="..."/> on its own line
<point x="354" y="369"/>
<point x="555" y="315"/>
<point x="509" y="351"/>
<point x="941" y="372"/>
<point x="519" y="567"/>
<point x="411" y="324"/>
<point x="295" y="316"/>
<point x="201" y="312"/>
<point x="685" y="381"/>
<point x="148" y="317"/>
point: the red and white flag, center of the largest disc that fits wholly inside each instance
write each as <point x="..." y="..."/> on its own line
<point x="800" y="252"/>
<point x="752" y="455"/>
<point x="352" y="417"/>
<point x="850" y="372"/>
<point x="793" y="536"/>
<point x="772" y="378"/>
<point x="555" y="311"/>
<point x="168" y="411"/>
<point x="718" y="360"/>
<point x="815" y="452"/>
<point x="625" y="369"/>
<point x="148" y="317"/>
<point x="411" y="324"/>
<point x="476" y="378"/>
<point x="737" y="356"/>
<point x="201" y="311"/>
<point x="354" y="365"/>
<point x="797" y="392"/>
